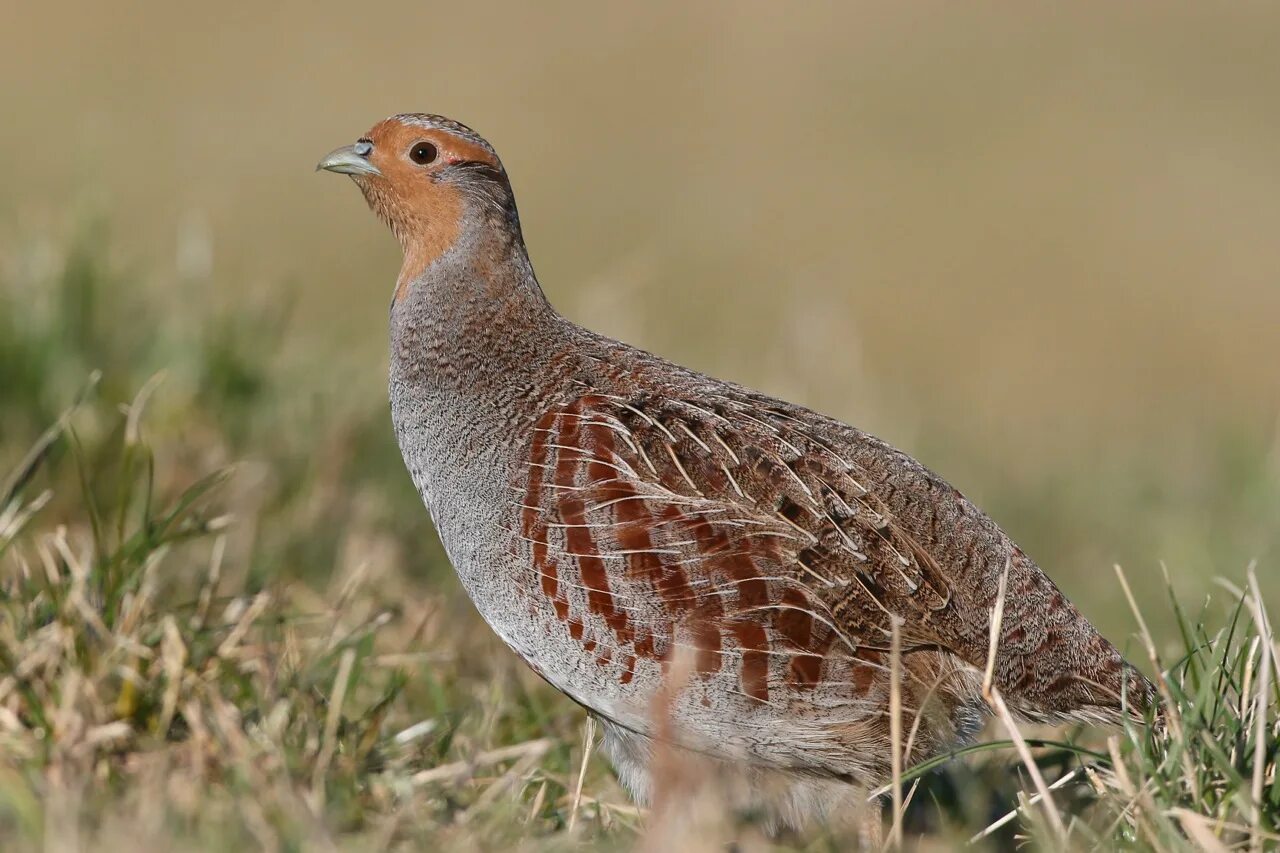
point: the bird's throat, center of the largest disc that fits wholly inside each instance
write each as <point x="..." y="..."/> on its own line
<point x="473" y="318"/>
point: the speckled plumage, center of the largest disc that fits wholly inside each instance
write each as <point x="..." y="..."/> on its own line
<point x="618" y="519"/>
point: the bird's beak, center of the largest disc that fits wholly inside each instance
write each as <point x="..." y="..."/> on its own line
<point x="345" y="161"/>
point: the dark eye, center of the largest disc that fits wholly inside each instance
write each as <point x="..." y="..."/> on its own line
<point x="423" y="153"/>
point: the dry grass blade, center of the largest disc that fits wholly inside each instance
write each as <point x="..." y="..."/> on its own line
<point x="1033" y="769"/>
<point x="993" y="639"/>
<point x="1172" y="714"/>
<point x="173" y="653"/>
<point x="1265" y="665"/>
<point x="1199" y="829"/>
<point x="460" y="769"/>
<point x="332" y="719"/>
<point x="1005" y="819"/>
<point x="539" y="799"/>
<point x="588" y="743"/>
<point x="15" y="516"/>
<point x="210" y="586"/>
<point x="895" y="730"/>
<point x="229" y="648"/>
<point x="992" y="694"/>
<point x="506" y="782"/>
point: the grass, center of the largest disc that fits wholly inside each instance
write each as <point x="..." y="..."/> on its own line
<point x="224" y="623"/>
<point x="146" y="691"/>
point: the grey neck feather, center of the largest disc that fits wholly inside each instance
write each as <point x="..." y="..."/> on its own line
<point x="474" y="334"/>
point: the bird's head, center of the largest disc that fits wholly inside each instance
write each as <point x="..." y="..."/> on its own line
<point x="430" y="179"/>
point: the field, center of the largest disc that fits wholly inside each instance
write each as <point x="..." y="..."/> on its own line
<point x="1037" y="252"/>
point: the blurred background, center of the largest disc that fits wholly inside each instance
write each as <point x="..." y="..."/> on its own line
<point x="1035" y="245"/>
<point x="1038" y="249"/>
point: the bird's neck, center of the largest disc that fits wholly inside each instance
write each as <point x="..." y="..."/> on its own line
<point x="474" y="323"/>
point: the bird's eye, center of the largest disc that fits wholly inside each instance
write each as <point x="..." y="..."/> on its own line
<point x="423" y="153"/>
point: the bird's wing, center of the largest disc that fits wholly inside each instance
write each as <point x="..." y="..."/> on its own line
<point x="780" y="544"/>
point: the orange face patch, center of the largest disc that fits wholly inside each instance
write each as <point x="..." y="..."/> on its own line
<point x="424" y="212"/>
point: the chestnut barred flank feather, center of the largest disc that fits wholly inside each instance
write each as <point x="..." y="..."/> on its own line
<point x="702" y="566"/>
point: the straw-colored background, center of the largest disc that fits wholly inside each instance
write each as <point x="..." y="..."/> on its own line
<point x="1037" y="246"/>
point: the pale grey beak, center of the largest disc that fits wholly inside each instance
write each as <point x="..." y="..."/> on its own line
<point x="349" y="160"/>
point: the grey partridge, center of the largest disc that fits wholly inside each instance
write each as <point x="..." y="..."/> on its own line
<point x="612" y="514"/>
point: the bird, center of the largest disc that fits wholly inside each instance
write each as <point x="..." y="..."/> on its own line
<point x="703" y="567"/>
